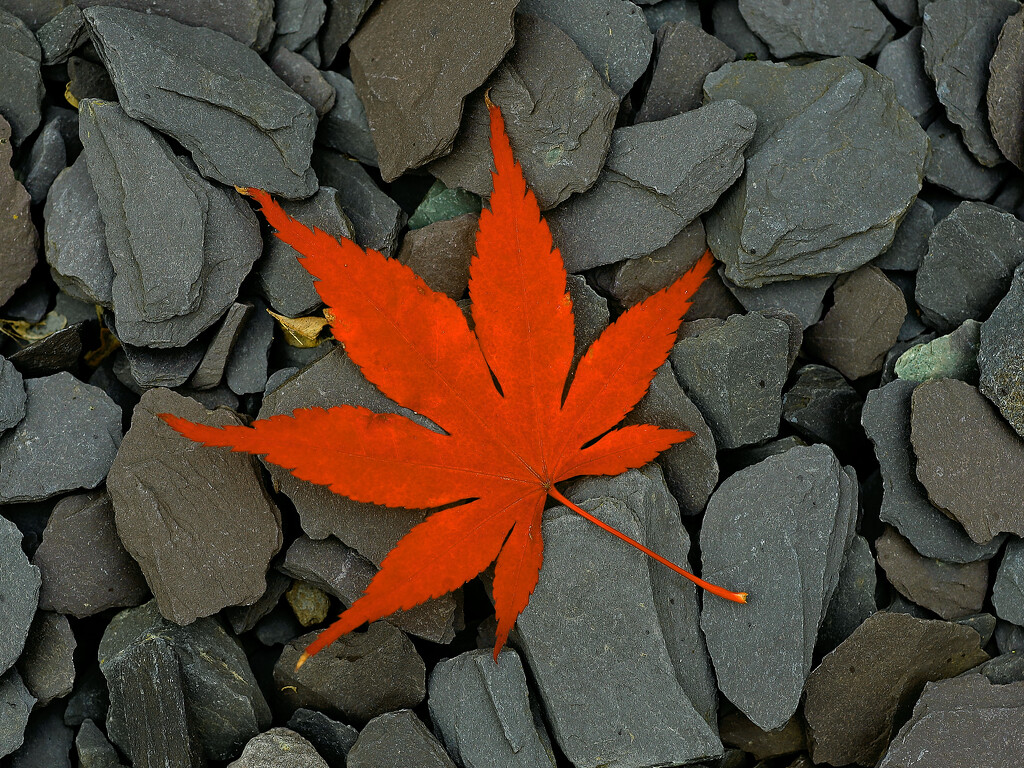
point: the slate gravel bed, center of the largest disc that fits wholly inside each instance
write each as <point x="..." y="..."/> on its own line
<point x="852" y="371"/>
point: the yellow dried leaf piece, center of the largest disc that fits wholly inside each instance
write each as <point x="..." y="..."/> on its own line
<point x="302" y="332"/>
<point x="108" y="345"/>
<point x="22" y="330"/>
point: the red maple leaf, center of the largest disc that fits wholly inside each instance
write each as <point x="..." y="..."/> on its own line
<point x="498" y="390"/>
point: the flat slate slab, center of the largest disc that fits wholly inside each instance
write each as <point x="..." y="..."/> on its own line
<point x="242" y="125"/>
<point x="1001" y="355"/>
<point x="397" y="738"/>
<point x="1008" y="590"/>
<point x="854" y="598"/>
<point x="197" y="520"/>
<point x="19" y="594"/>
<point x="16" y="702"/>
<point x="953" y="356"/>
<point x="18" y="236"/>
<point x="344" y="127"/>
<point x="47" y="665"/>
<point x="20" y="57"/>
<point x="279" y="748"/>
<point x="903" y="62"/>
<point x="440" y="253"/>
<point x="1005" y="95"/>
<point x="12" y="395"/>
<point x="952" y="167"/>
<point x="825" y="27"/>
<point x="838" y="202"/>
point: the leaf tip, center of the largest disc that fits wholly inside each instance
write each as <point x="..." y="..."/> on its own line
<point x="302" y="660"/>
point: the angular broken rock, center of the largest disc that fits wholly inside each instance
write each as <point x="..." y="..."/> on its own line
<point x="804" y="298"/>
<point x="22" y="95"/>
<point x="67" y="440"/>
<point x="242" y="125"/>
<point x="296" y="23"/>
<point x="1001" y="355"/>
<point x="19" y="594"/>
<point x="825" y="27"/>
<point x="246" y="371"/>
<point x="440" y="253"/>
<point x="958" y="40"/>
<point x="854" y="598"/>
<point x="303" y="78"/>
<point x="558" y="113"/>
<point x="177" y="264"/>
<point x="149" y="367"/>
<point x="823" y="407"/>
<point x="12" y="395"/>
<point x="18" y="236"/>
<point x="345" y="128"/>
<point x="210" y="370"/>
<point x="953" y="356"/>
<point x="397" y="738"/>
<point x="855" y="694"/>
<point x="902" y="62"/>
<point x="414" y="111"/>
<point x="658" y="178"/>
<point x="1005" y="96"/>
<point x="197" y="520"/>
<point x="1008" y="590"/>
<point x="793" y="514"/>
<point x="968" y="458"/>
<point x="16" y="703"/>
<point x="279" y="748"/>
<point x="343" y="16"/>
<point x="481" y="708"/>
<point x="48" y="664"/>
<point x="824" y="207"/>
<point x="332" y="739"/>
<point x="953" y="168"/>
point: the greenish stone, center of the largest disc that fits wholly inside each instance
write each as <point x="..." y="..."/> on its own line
<point x="954" y="356"/>
<point x="309" y="604"/>
<point x="441" y="203"/>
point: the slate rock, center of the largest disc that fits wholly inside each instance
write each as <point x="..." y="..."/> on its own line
<point x="376" y="217"/>
<point x="659" y="12"/>
<point x="954" y="356"/>
<point x="397" y="738"/>
<point x="441" y="203"/>
<point x="558" y="113"/>
<point x="359" y="676"/>
<point x="440" y="253"/>
<point x="67" y="440"/>
<point x="658" y="177"/>
<point x="304" y="78"/>
<point x="19" y="594"/>
<point x="950" y="590"/>
<point x="414" y="112"/>
<point x="20" y="56"/>
<point x="344" y="127"/>
<point x="145" y="367"/>
<point x="1008" y="589"/>
<point x="796" y="511"/>
<point x="47" y="741"/>
<point x="84" y="586"/>
<point x="738" y="731"/>
<point x="902" y="62"/>
<point x="612" y="34"/>
<point x="35" y="13"/>
<point x="331" y="739"/>
<point x="823" y="407"/>
<point x="729" y="26"/>
<point x="481" y="709"/>
<point x="12" y="395"/>
<point x="94" y="751"/>
<point x="47" y="158"/>
<point x="911" y="240"/>
<point x="62" y="34"/>
<point x="905" y="505"/>
<point x="1005" y="95"/>
<point x="803" y="298"/>
<point x="200" y="671"/>
<point x="90" y="700"/>
<point x="1001" y="355"/>
<point x="952" y="167"/>
<point x="854" y="599"/>
<point x="243" y="618"/>
<point x="959" y="38"/>
<point x="198" y="521"/>
<point x="734" y="373"/>
<point x="16" y="703"/>
<point x="841" y="196"/>
<point x="343" y="16"/>
<point x="210" y="370"/>
<point x="825" y="27"/>
<point x="978" y="486"/>
<point x="18" y="236"/>
<point x="47" y="666"/>
<point x="858" y="690"/>
<point x="296" y="23"/>
<point x="246" y="371"/>
<point x="88" y="80"/>
<point x="57" y="352"/>
<point x="174" y="276"/>
<point x="242" y="125"/>
<point x="684" y="55"/>
<point x="279" y="748"/>
<point x="963" y="721"/>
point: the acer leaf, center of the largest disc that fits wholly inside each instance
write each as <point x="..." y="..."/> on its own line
<point x="496" y="390"/>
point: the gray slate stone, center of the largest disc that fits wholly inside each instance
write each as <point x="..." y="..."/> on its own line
<point x="954" y="356"/>
<point x="197" y="520"/>
<point x="345" y="128"/>
<point x="94" y="751"/>
<point x="1005" y="96"/>
<point x="57" y="352"/>
<point x="47" y="158"/>
<point x="67" y="440"/>
<point x="210" y="370"/>
<point x="963" y="721"/>
<point x="246" y="371"/>
<point x="591" y="635"/>
<point x="659" y="12"/>
<point x="823" y="407"/>
<point x="414" y="112"/>
<point x="907" y="11"/>
<point x="658" y="178"/>
<point x="795" y="514"/>
<point x="279" y="748"/>
<point x="558" y="113"/>
<point x="903" y="63"/>
<point x="1008" y="589"/>
<point x="825" y="27"/>
<point x="958" y="41"/>
<point x="1001" y="355"/>
<point x="804" y="298"/>
<point x="62" y="34"/>
<point x="911" y="240"/>
<point x="971" y="257"/>
<point x="858" y="690"/>
<point x="440" y="253"/>
<point x="331" y="739"/>
<point x="19" y="594"/>
<point x="968" y="458"/>
<point x="242" y="125"/>
<point x="613" y="35"/>
<point x="952" y="167"/>
<point x="397" y="738"/>
<point x="343" y="16"/>
<point x="854" y="598"/>
<point x="19" y="239"/>
<point x="16" y="703"/>
<point x="47" y="666"/>
<point x="146" y="367"/>
<point x="47" y="742"/>
<point x="684" y="55"/>
<point x="729" y="26"/>
<point x="296" y="23"/>
<point x="838" y="202"/>
<point x="12" y="395"/>
<point x="83" y="586"/>
<point x="734" y="371"/>
<point x="481" y="708"/>
<point x="22" y="96"/>
<point x="176" y="273"/>
<point x="304" y="78"/>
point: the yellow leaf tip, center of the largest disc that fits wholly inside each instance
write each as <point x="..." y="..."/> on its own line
<point x="302" y="660"/>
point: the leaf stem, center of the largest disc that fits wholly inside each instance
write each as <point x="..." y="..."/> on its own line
<point x="736" y="597"/>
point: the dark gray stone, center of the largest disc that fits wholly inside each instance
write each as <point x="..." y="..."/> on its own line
<point x="296" y="23"/>
<point x="245" y="617"/>
<point x="90" y="700"/>
<point x="148" y="367"/>
<point x="1001" y="355"/>
<point x="88" y="80"/>
<point x="246" y="371"/>
<point x="47" y="666"/>
<point x="903" y="63"/>
<point x="344" y="127"/>
<point x="397" y="738"/>
<point x="825" y="27"/>
<point x="16" y="703"/>
<point x="1008" y="590"/>
<point x="684" y="55"/>
<point x="94" y="751"/>
<point x="454" y="55"/>
<point x="197" y="520"/>
<point x="279" y="748"/>
<point x="729" y="26"/>
<point x="804" y="298"/>
<point x="906" y="11"/>
<point x="734" y="373"/>
<point x="978" y="486"/>
<point x="480" y="707"/>
<point x="1003" y="669"/>
<point x="795" y="514"/>
<point x="357" y="677"/>
<point x="954" y="356"/>
<point x="1009" y="638"/>
<point x="858" y="690"/>
<point x="558" y="113"/>
<point x="343" y="16"/>
<point x="739" y="732"/>
<point x="56" y="352"/>
<point x="959" y="39"/>
<point x="242" y="125"/>
<point x="971" y="257"/>
<point x="61" y="35"/>
<point x="823" y="407"/>
<point x="47" y="158"/>
<point x="22" y="97"/>
<point x="613" y="35"/>
<point x="304" y="78"/>
<point x="174" y="274"/>
<point x="19" y="239"/>
<point x="963" y="721"/>
<point x="837" y="203"/>
<point x="83" y="586"/>
<point x="12" y="395"/>
<point x="659" y="12"/>
<point x="1005" y="96"/>
<point x="211" y="368"/>
<point x="331" y="739"/>
<point x="19" y="594"/>
<point x="952" y="167"/>
<point x="440" y="253"/>
<point x="658" y="178"/>
<point x="911" y="240"/>
<point x="591" y="314"/>
<point x="47" y="742"/>
<point x="67" y="440"/>
<point x="854" y="598"/>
